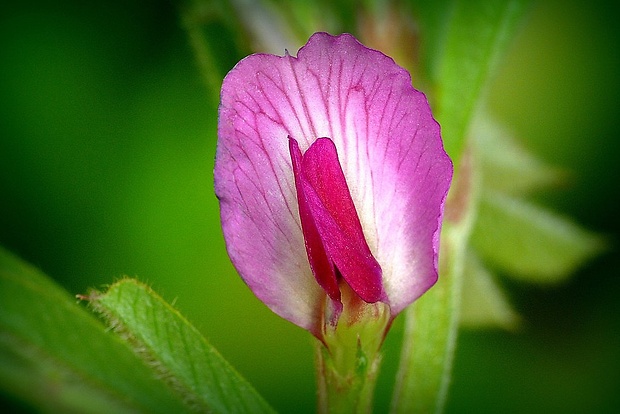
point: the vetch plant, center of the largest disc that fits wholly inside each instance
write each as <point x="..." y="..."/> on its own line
<point x="344" y="203"/>
<point x="332" y="178"/>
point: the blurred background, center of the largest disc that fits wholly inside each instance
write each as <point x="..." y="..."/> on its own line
<point x="107" y="143"/>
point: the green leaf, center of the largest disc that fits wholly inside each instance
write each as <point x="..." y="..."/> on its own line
<point x="529" y="242"/>
<point x="179" y="352"/>
<point x="463" y="40"/>
<point x="483" y="303"/>
<point x="505" y="165"/>
<point x="56" y="356"/>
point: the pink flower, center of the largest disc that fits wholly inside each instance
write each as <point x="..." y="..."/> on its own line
<point x="332" y="177"/>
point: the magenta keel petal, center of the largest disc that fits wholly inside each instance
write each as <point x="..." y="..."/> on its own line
<point x="329" y="215"/>
<point x="321" y="263"/>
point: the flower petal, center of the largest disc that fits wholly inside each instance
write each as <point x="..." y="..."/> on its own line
<point x="323" y="192"/>
<point x="321" y="263"/>
<point x="391" y="154"/>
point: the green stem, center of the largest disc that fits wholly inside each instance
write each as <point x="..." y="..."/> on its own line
<point x="345" y="391"/>
<point x="204" y="56"/>
<point x="431" y="327"/>
<point x="431" y="324"/>
<point x="200" y="18"/>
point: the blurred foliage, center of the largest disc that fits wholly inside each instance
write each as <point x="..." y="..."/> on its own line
<point x="81" y="368"/>
<point x="107" y="139"/>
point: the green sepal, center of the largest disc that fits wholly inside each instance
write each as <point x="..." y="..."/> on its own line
<point x="55" y="356"/>
<point x="348" y="357"/>
<point x="181" y="355"/>
<point x="529" y="242"/>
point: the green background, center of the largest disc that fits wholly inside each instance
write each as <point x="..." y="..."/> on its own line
<point x="107" y="142"/>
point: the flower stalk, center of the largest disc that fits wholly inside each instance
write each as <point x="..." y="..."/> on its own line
<point x="342" y="388"/>
<point x="348" y="360"/>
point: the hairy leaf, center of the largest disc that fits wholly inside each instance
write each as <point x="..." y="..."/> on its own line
<point x="57" y="357"/>
<point x="181" y="355"/>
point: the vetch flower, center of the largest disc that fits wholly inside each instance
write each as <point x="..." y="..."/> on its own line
<point x="331" y="176"/>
